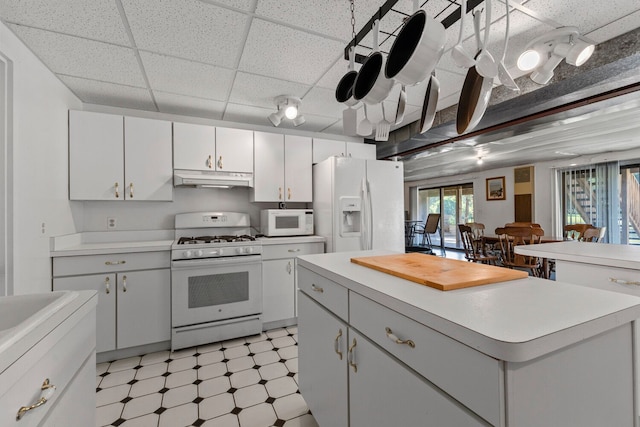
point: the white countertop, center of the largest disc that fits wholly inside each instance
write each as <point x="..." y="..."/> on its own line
<point x="100" y="243"/>
<point x="513" y="321"/>
<point x="623" y="256"/>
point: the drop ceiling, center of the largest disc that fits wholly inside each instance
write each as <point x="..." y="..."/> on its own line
<point x="228" y="59"/>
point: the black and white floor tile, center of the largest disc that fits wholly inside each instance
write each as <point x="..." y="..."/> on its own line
<point x="246" y="382"/>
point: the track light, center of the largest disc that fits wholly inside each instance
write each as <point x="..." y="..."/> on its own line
<point x="543" y="54"/>
<point x="288" y="106"/>
<point x="480" y="161"/>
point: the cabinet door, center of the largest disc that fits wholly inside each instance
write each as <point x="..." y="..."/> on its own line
<point x="105" y="284"/>
<point x="269" y="168"/>
<point x="194" y="147"/>
<point x="144" y="307"/>
<point x="148" y="165"/>
<point x="360" y="150"/>
<point x="298" y="168"/>
<point x="277" y="290"/>
<point x="384" y="393"/>
<point x="322" y="355"/>
<point x="96" y="158"/>
<point x="325" y="148"/>
<point x="234" y="150"/>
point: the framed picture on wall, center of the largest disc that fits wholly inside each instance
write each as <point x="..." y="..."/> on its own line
<point x="495" y="188"/>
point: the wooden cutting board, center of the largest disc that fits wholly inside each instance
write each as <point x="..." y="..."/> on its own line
<point x="440" y="273"/>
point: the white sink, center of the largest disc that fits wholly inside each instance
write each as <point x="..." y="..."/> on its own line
<point x="20" y="314"/>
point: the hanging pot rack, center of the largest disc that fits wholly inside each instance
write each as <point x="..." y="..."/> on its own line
<point x="387" y="7"/>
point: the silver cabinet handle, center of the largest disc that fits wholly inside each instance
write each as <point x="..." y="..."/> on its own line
<point x="107" y="285"/>
<point x="317" y="288"/>
<point x="624" y="282"/>
<point x="114" y="262"/>
<point x="131" y="190"/>
<point x="336" y="344"/>
<point x="117" y="192"/>
<point x="210" y="162"/>
<point x="279" y="193"/>
<point x="289" y="267"/>
<point x="397" y="340"/>
<point x="47" y="391"/>
<point x="350" y="357"/>
<point x="294" y="250"/>
<point x="288" y="193"/>
<point x="220" y="163"/>
<point x="124" y="283"/>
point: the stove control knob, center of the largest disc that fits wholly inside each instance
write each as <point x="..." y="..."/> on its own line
<point x="239" y="250"/>
<point x="249" y="250"/>
<point x="220" y="252"/>
<point x="187" y="254"/>
<point x="199" y="253"/>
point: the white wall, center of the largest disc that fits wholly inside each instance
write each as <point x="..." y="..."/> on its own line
<point x="40" y="105"/>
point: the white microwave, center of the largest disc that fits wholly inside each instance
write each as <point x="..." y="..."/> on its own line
<point x="286" y="222"/>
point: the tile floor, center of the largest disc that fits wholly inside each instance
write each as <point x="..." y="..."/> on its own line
<point x="246" y="382"/>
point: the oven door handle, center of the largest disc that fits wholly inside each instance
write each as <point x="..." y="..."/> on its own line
<point x="212" y="262"/>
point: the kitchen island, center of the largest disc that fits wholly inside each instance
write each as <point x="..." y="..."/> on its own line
<point x="378" y="350"/>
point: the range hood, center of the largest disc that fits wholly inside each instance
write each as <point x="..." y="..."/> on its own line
<point x="211" y="179"/>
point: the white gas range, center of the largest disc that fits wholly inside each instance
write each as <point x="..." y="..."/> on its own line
<point x="216" y="278"/>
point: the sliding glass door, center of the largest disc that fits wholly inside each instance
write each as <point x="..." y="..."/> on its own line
<point x="454" y="204"/>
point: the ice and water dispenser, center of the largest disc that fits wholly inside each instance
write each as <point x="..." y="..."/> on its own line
<point x="350" y="213"/>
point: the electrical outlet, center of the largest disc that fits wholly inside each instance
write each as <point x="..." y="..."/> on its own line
<point x="111" y="223"/>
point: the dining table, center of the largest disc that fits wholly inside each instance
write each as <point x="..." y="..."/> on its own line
<point x="493" y="239"/>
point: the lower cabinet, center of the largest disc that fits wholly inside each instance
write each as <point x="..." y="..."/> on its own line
<point x="134" y="306"/>
<point x="279" y="281"/>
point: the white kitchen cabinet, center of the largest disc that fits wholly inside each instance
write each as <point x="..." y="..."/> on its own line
<point x="279" y="281"/>
<point x="322" y="356"/>
<point x="325" y="148"/>
<point x="283" y="168"/>
<point x="134" y="295"/>
<point x="207" y="148"/>
<point x="113" y="157"/>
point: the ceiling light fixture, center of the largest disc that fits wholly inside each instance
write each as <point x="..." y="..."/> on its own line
<point x="480" y="161"/>
<point x="543" y="54"/>
<point x="288" y="106"/>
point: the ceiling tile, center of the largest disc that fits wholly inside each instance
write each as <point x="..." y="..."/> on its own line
<point x="187" y="29"/>
<point x="335" y="129"/>
<point x="313" y="16"/>
<point x="188" y="106"/>
<point x="332" y="77"/>
<point x="258" y="116"/>
<point x="96" y="19"/>
<point x="186" y="77"/>
<point x="238" y="4"/>
<point x="260" y="91"/>
<point x="312" y="123"/>
<point x="284" y="53"/>
<point x="616" y="28"/>
<point x="96" y="92"/>
<point x="81" y="57"/>
<point x="322" y="102"/>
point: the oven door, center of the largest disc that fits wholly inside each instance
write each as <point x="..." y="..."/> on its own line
<point x="206" y="290"/>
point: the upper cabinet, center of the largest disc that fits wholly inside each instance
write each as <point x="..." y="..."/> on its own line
<point x="117" y="158"/>
<point x="325" y="148"/>
<point x="207" y="148"/>
<point x="282" y="170"/>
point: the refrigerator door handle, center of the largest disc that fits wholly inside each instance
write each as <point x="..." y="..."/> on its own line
<point x="369" y="217"/>
<point x="363" y="214"/>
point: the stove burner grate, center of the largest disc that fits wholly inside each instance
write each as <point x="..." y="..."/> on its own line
<point x="214" y="239"/>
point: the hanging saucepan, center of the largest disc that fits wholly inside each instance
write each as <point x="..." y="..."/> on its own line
<point x="475" y="93"/>
<point x="416" y="50"/>
<point x="371" y="86"/>
<point x="344" y="90"/>
<point x="430" y="103"/>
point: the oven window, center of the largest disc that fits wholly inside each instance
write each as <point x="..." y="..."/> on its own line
<point x="286" y="222"/>
<point x="217" y="289"/>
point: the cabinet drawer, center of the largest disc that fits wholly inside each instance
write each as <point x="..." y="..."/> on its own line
<point x="92" y="264"/>
<point x="57" y="357"/>
<point x="291" y="250"/>
<point x="329" y="294"/>
<point x="472" y="378"/>
<point x="598" y="276"/>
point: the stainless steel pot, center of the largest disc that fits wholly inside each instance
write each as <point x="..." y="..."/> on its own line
<point x="417" y="49"/>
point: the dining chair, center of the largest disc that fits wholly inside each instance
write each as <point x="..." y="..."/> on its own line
<point x="472" y="251"/>
<point x="431" y="226"/>
<point x="594" y="234"/>
<point x="512" y="237"/>
<point x="574" y="231"/>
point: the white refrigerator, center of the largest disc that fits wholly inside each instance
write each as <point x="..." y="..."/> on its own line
<point x="358" y="204"/>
